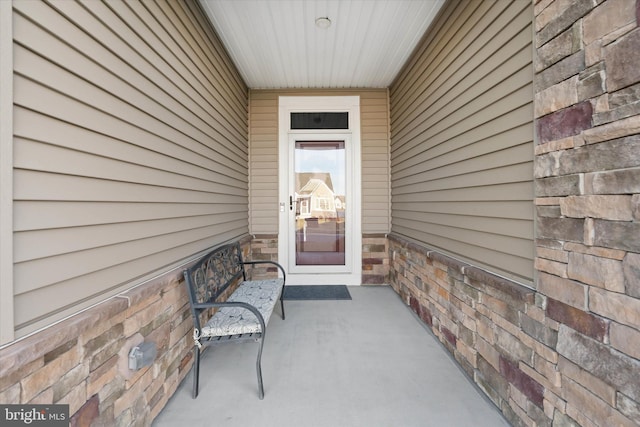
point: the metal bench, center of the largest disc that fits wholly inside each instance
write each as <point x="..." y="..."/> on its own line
<point x="243" y="316"/>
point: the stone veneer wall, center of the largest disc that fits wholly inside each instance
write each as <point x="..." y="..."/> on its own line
<point x="587" y="170"/>
<point x="568" y="352"/>
<point x="375" y="259"/>
<point x="518" y="345"/>
<point x="83" y="361"/>
<point x="495" y="329"/>
<point x="264" y="247"/>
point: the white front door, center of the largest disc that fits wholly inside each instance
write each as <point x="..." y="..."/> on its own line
<point x="319" y="240"/>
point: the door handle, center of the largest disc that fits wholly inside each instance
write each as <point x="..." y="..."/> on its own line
<point x="290" y="203"/>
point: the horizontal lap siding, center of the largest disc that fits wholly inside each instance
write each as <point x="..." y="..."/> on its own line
<point x="130" y="149"/>
<point x="374" y="121"/>
<point x="263" y="162"/>
<point x="263" y="128"/>
<point x="462" y="137"/>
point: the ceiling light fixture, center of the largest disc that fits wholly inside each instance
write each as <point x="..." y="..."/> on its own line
<point x="323" y="23"/>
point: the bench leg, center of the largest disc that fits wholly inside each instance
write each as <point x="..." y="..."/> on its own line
<point x="259" y="369"/>
<point x="196" y="370"/>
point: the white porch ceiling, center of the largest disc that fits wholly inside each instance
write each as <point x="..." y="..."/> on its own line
<point x="276" y="44"/>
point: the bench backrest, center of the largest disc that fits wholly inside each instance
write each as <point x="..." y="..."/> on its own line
<point x="212" y="274"/>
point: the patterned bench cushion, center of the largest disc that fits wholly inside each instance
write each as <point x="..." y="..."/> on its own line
<point x="262" y="294"/>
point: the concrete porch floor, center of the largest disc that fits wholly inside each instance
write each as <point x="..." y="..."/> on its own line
<point x="363" y="362"/>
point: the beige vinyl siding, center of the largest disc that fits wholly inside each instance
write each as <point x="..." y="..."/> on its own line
<point x="130" y="149"/>
<point x="376" y="192"/>
<point x="263" y="162"/>
<point x="263" y="130"/>
<point x="462" y="137"/>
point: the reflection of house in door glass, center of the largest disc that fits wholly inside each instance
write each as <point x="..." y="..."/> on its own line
<point x="320" y="202"/>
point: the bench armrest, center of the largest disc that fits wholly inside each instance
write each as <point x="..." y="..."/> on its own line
<point x="284" y="276"/>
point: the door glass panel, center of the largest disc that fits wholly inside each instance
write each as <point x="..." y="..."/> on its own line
<point x="320" y="187"/>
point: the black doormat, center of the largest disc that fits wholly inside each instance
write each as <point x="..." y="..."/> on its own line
<point x="317" y="292"/>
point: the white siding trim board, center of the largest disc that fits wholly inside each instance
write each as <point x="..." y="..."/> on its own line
<point x="6" y="173"/>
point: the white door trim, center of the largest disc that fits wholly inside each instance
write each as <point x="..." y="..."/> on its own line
<point x="350" y="104"/>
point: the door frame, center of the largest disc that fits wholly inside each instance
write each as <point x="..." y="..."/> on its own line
<point x="287" y="105"/>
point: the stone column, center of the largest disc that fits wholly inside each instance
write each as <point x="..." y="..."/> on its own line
<point x="587" y="170"/>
